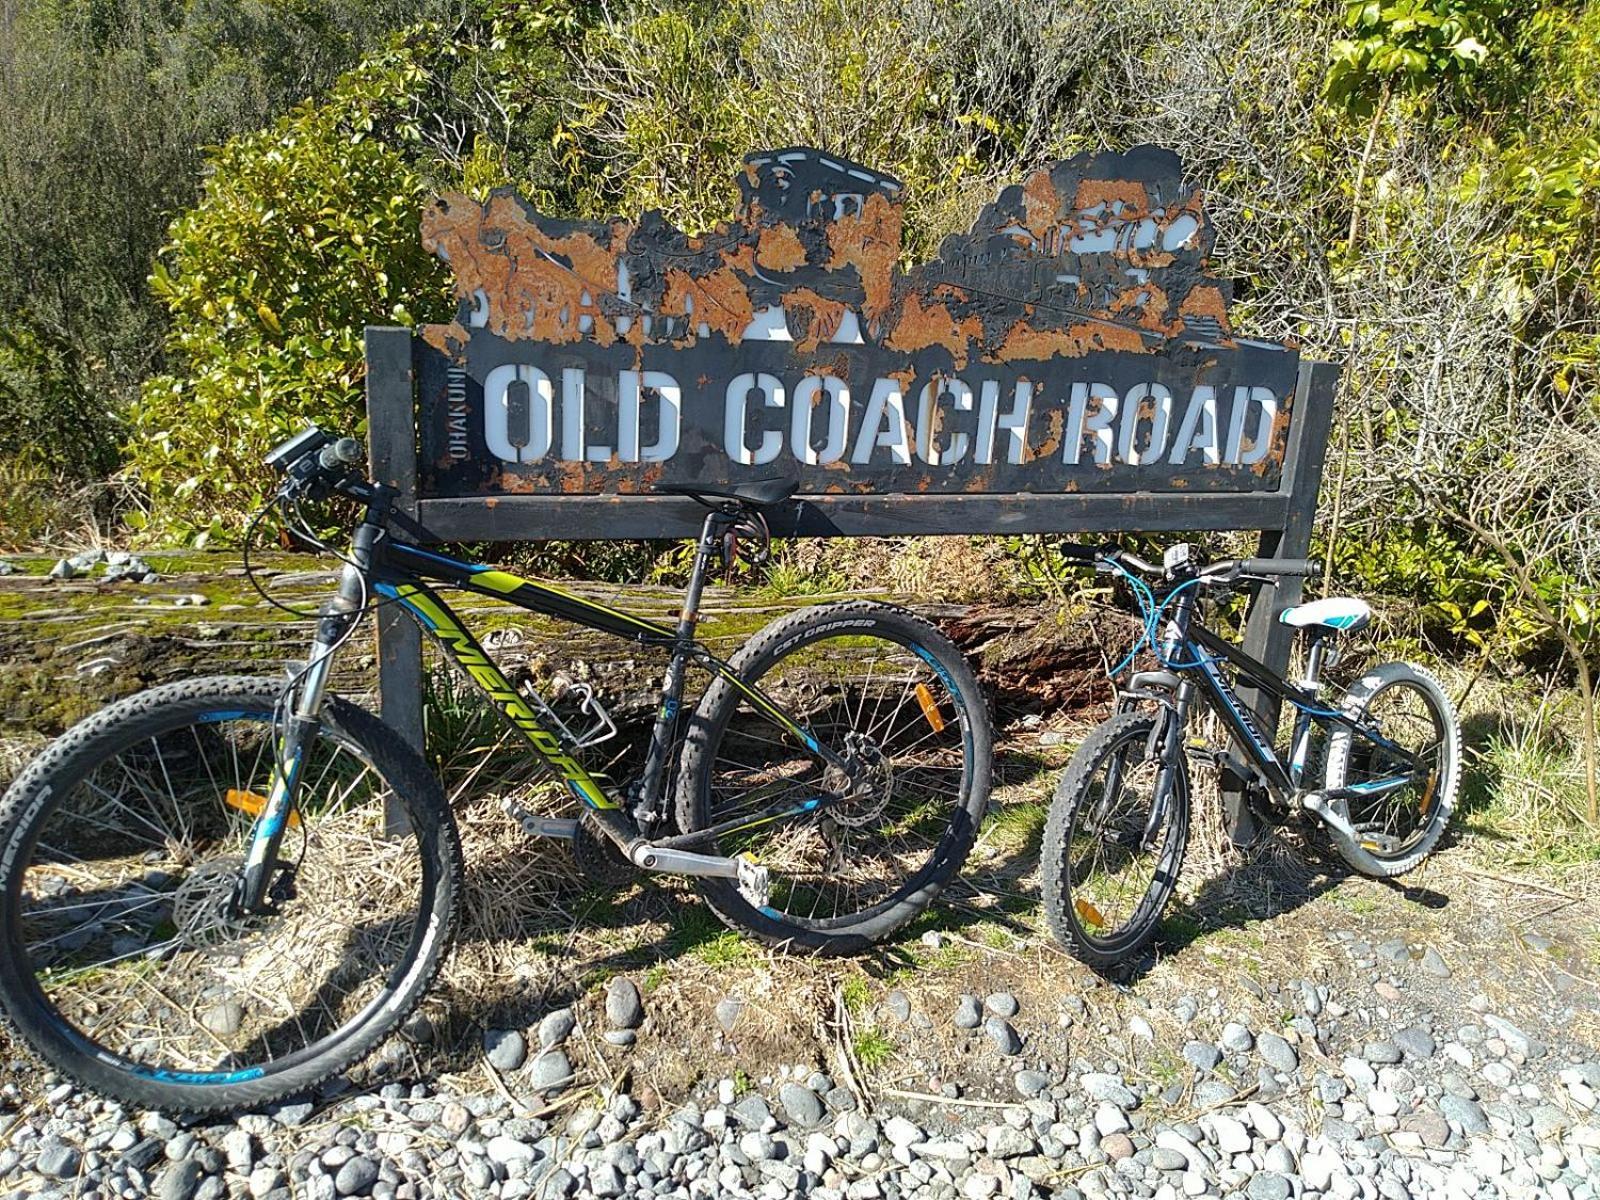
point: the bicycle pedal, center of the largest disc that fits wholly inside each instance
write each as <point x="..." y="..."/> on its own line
<point x="755" y="885"/>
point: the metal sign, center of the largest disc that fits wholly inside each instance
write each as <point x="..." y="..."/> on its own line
<point x="1072" y="344"/>
<point x="1067" y="365"/>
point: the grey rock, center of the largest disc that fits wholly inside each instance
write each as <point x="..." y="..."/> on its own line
<point x="1002" y="1004"/>
<point x="1102" y="1086"/>
<point x="605" y="1181"/>
<point x="556" y="1028"/>
<point x="58" y="1160"/>
<point x="1417" y="1042"/>
<point x="1228" y="1135"/>
<point x="63" y="570"/>
<point x="969" y="1014"/>
<point x="1277" y="1053"/>
<point x="1468" y="1114"/>
<point x="1030" y="1083"/>
<point x="1394" y="950"/>
<point x="505" y="1150"/>
<point x="1202" y="1056"/>
<point x="1279" y="1158"/>
<point x="1434" y="964"/>
<point x="179" y="1181"/>
<point x="1381" y="1052"/>
<point x="1268" y="1185"/>
<point x="356" y="1176"/>
<point x="801" y="1105"/>
<point x="1515" y="1039"/>
<point x="624" y="1005"/>
<point x="1005" y="1038"/>
<point x="1002" y="1141"/>
<point x="727" y="1012"/>
<point x="292" y="1113"/>
<point x="1236" y="1039"/>
<point x="751" y="1111"/>
<point x="1213" y="1091"/>
<point x="224" y="1020"/>
<point x="551" y="1071"/>
<point x="898" y="1005"/>
<point x="1163" y="1159"/>
<point x="621" y="1037"/>
<point x="506" y="1049"/>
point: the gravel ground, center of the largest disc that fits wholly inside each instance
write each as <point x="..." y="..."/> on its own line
<point x="1375" y="1087"/>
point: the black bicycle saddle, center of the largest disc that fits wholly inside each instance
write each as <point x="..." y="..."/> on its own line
<point x="762" y="493"/>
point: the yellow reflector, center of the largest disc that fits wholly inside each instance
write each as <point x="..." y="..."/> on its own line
<point x="929" y="708"/>
<point x="1089" y="913"/>
<point x="251" y="803"/>
<point x="1427" y="795"/>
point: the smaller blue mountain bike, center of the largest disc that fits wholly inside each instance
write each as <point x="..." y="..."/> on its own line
<point x="1378" y="767"/>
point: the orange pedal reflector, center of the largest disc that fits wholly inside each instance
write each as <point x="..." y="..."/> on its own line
<point x="1090" y="914"/>
<point x="1427" y="795"/>
<point x="251" y="803"/>
<point x="930" y="709"/>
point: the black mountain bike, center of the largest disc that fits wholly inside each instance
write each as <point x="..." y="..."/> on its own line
<point x="204" y="906"/>
<point x="1389" y="754"/>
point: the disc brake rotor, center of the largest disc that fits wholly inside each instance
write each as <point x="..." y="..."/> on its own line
<point x="203" y="907"/>
<point x="867" y="792"/>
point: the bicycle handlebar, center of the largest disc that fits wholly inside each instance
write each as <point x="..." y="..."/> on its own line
<point x="1224" y="571"/>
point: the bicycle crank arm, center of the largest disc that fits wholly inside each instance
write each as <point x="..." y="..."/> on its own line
<point x="752" y="877"/>
<point x="536" y="826"/>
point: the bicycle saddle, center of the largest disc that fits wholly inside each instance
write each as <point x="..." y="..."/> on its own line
<point x="1343" y="614"/>
<point x="762" y="493"/>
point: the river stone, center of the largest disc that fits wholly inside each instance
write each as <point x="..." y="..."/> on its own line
<point x="1277" y="1053"/>
<point x="1515" y="1039"/>
<point x="59" y="1160"/>
<point x="1415" y="1041"/>
<point x="624" y="1005"/>
<point x="1030" y="1083"/>
<point x="1268" y="1185"/>
<point x="506" y="1049"/>
<point x="1435" y="965"/>
<point x="1468" y="1114"/>
<point x="727" y="1012"/>
<point x="1002" y="1004"/>
<point x="969" y="1015"/>
<point x="225" y="1019"/>
<point x="1202" y="1056"/>
<point x="1236" y="1038"/>
<point x="551" y="1071"/>
<point x="801" y="1105"/>
<point x="1005" y="1038"/>
<point x="556" y="1028"/>
<point x="356" y="1176"/>
<point x="179" y="1181"/>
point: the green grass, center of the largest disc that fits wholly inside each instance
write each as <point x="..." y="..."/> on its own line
<point x="872" y="1048"/>
<point x="1523" y="792"/>
<point x="701" y="936"/>
<point x="1016" y="826"/>
<point x="857" y="994"/>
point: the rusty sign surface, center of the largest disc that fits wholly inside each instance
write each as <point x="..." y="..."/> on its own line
<point x="1073" y="341"/>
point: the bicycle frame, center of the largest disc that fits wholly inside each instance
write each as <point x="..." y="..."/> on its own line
<point x="401" y="573"/>
<point x="1202" y="650"/>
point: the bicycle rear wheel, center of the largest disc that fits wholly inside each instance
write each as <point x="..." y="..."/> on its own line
<point x="882" y="689"/>
<point x="1109" y="862"/>
<point x="123" y="960"/>
<point x="1398" y="827"/>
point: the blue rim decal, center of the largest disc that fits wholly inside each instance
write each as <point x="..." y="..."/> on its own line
<point x="205" y="1078"/>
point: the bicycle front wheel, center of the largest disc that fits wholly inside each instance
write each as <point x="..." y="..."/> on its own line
<point x="884" y="691"/>
<point x="1110" y="856"/>
<point x="124" y="960"/>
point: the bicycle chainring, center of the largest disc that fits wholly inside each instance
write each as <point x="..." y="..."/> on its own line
<point x="598" y="859"/>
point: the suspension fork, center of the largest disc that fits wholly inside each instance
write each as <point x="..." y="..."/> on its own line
<point x="304" y="722"/>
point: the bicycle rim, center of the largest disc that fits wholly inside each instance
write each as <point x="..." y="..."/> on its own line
<point x="882" y="701"/>
<point x="121" y="921"/>
<point x="1392" y="823"/>
<point x="1119" y="869"/>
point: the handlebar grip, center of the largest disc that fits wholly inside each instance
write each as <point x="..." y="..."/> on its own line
<point x="1278" y="566"/>
<point x="1083" y="554"/>
<point x="345" y="452"/>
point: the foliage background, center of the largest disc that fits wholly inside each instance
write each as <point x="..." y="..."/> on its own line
<point x="202" y="202"/>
